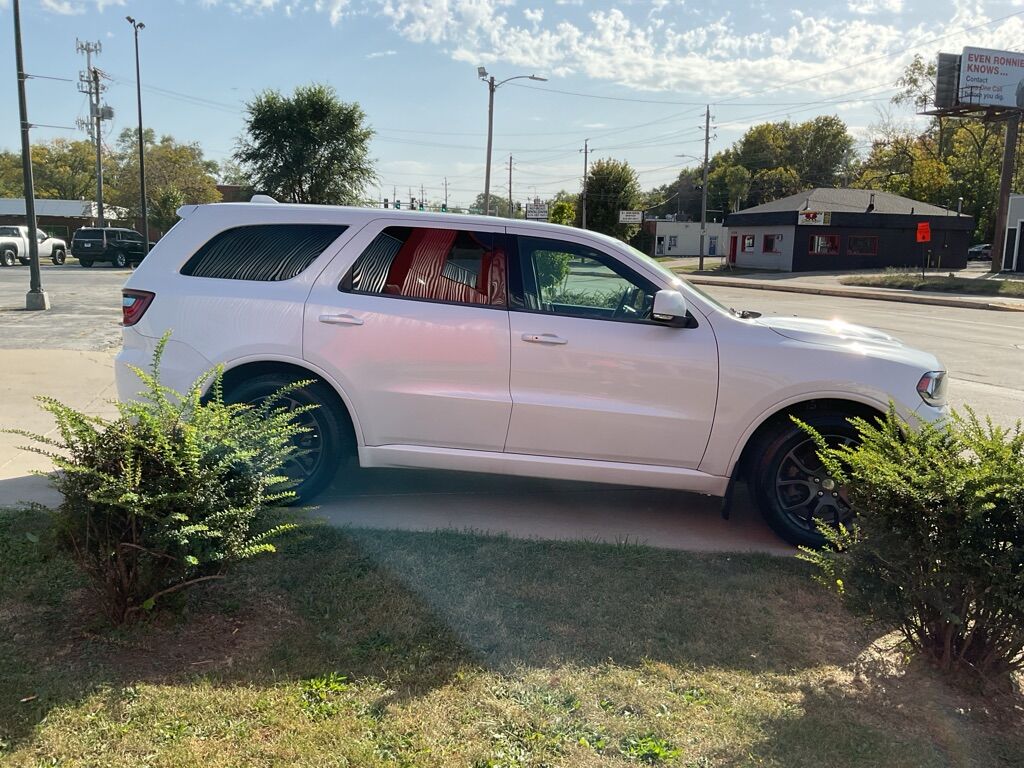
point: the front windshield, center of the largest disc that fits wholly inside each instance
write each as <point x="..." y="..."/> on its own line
<point x="675" y="279"/>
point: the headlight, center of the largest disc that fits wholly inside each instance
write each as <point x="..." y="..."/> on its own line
<point x="932" y="388"/>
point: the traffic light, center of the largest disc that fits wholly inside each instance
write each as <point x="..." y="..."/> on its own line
<point x="421" y="205"/>
<point x="386" y="203"/>
<point x="444" y="207"/>
<point x="398" y="204"/>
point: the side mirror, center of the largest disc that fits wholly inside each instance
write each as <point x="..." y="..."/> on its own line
<point x="670" y="308"/>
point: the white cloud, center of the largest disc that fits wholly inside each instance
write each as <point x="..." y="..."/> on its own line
<point x="534" y="15"/>
<point x="380" y="54"/>
<point x="873" y="7"/>
<point x="63" y="7"/>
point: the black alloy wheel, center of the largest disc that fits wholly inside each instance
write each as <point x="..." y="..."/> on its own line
<point x="791" y="485"/>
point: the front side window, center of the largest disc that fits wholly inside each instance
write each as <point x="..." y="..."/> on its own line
<point x="262" y="252"/>
<point x="824" y="245"/>
<point x="445" y="265"/>
<point x="569" y="279"/>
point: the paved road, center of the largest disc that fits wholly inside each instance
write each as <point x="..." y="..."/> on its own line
<point x="983" y="350"/>
<point x="85" y="314"/>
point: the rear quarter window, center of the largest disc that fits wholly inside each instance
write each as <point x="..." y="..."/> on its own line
<point x="262" y="252"/>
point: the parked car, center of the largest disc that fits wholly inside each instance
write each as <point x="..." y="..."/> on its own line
<point x="512" y="347"/>
<point x="14" y="240"/>
<point x="980" y="252"/>
<point x="121" y="247"/>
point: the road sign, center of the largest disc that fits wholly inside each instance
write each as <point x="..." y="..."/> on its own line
<point x="631" y="217"/>
<point x="537" y="211"/>
<point x="924" y="232"/>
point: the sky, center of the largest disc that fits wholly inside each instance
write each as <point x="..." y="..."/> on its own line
<point x="631" y="76"/>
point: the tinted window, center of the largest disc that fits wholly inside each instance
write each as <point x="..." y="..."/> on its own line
<point x="447" y="265"/>
<point x="89" y="234"/>
<point x="266" y="252"/>
<point x="8" y="232"/>
<point x="569" y="279"/>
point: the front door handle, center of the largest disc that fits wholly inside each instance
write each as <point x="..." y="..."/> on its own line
<point x="544" y="338"/>
<point x="341" y="319"/>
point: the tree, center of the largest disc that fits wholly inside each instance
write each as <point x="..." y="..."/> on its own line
<point x="562" y="212"/>
<point x="64" y="169"/>
<point x="310" y="147"/>
<point x="11" y="184"/>
<point x="174" y="172"/>
<point x="612" y="186"/>
<point x="499" y="205"/>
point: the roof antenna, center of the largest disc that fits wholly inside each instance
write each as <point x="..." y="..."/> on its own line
<point x="262" y="199"/>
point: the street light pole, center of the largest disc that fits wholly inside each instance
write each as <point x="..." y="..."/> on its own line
<point x="36" y="297"/>
<point x="492" y="86"/>
<point x="137" y="25"/>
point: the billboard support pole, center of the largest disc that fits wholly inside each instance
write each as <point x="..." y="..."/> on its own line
<point x="1005" y="186"/>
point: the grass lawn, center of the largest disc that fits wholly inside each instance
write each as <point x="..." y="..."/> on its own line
<point x="912" y="281"/>
<point x="371" y="648"/>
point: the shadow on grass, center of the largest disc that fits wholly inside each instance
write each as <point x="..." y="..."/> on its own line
<point x="417" y="611"/>
<point x="409" y="609"/>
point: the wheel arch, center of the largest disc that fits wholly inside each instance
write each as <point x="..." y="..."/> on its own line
<point x="773" y="417"/>
<point x="241" y="370"/>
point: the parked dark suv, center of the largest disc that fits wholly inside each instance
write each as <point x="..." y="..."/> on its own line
<point x="120" y="247"/>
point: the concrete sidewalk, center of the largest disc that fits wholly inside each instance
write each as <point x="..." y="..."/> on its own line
<point x="402" y="499"/>
<point x="827" y="284"/>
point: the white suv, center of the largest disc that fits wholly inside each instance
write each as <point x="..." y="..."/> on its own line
<point x="512" y="347"/>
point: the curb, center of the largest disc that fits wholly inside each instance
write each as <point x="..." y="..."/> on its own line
<point x="903" y="297"/>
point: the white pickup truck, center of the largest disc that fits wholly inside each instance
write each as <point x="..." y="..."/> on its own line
<point x="14" y="246"/>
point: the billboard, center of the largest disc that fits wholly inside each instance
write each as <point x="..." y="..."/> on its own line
<point x="992" y="78"/>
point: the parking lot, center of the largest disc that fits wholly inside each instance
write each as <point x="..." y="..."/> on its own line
<point x="984" y="351"/>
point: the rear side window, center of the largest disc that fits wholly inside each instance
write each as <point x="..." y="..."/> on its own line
<point x="447" y="265"/>
<point x="263" y="252"/>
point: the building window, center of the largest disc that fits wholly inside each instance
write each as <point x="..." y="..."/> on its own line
<point x="748" y="243"/>
<point x="862" y="245"/>
<point x="772" y="243"/>
<point x="824" y="245"/>
<point x="672" y="240"/>
<point x="447" y="265"/>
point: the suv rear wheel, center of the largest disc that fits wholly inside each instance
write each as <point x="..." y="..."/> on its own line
<point x="85" y="262"/>
<point x="790" y="483"/>
<point x="323" y="447"/>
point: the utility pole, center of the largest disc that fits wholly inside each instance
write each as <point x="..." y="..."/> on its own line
<point x="491" y="87"/>
<point x="89" y="84"/>
<point x="137" y="25"/>
<point x="421" y="195"/>
<point x="446" y="193"/>
<point x="704" y="186"/>
<point x="36" y="297"/>
<point x="583" y="197"/>
<point x="511" y="212"/>
<point x="1005" y="185"/>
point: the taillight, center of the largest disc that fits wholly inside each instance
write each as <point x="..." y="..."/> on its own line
<point x="134" y="305"/>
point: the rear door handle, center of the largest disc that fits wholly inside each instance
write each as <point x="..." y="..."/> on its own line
<point x="544" y="338"/>
<point x="341" y="319"/>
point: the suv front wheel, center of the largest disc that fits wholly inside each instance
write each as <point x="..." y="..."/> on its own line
<point x="790" y="483"/>
<point x="322" y="448"/>
<point x="120" y="260"/>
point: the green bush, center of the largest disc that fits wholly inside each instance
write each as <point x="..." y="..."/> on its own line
<point x="169" y="493"/>
<point x="937" y="548"/>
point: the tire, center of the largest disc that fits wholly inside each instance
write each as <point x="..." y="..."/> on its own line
<point x="119" y="261"/>
<point x="7" y="258"/>
<point x="329" y="444"/>
<point x="23" y="261"/>
<point x="59" y="256"/>
<point x="788" y="481"/>
<point x="85" y="263"/>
